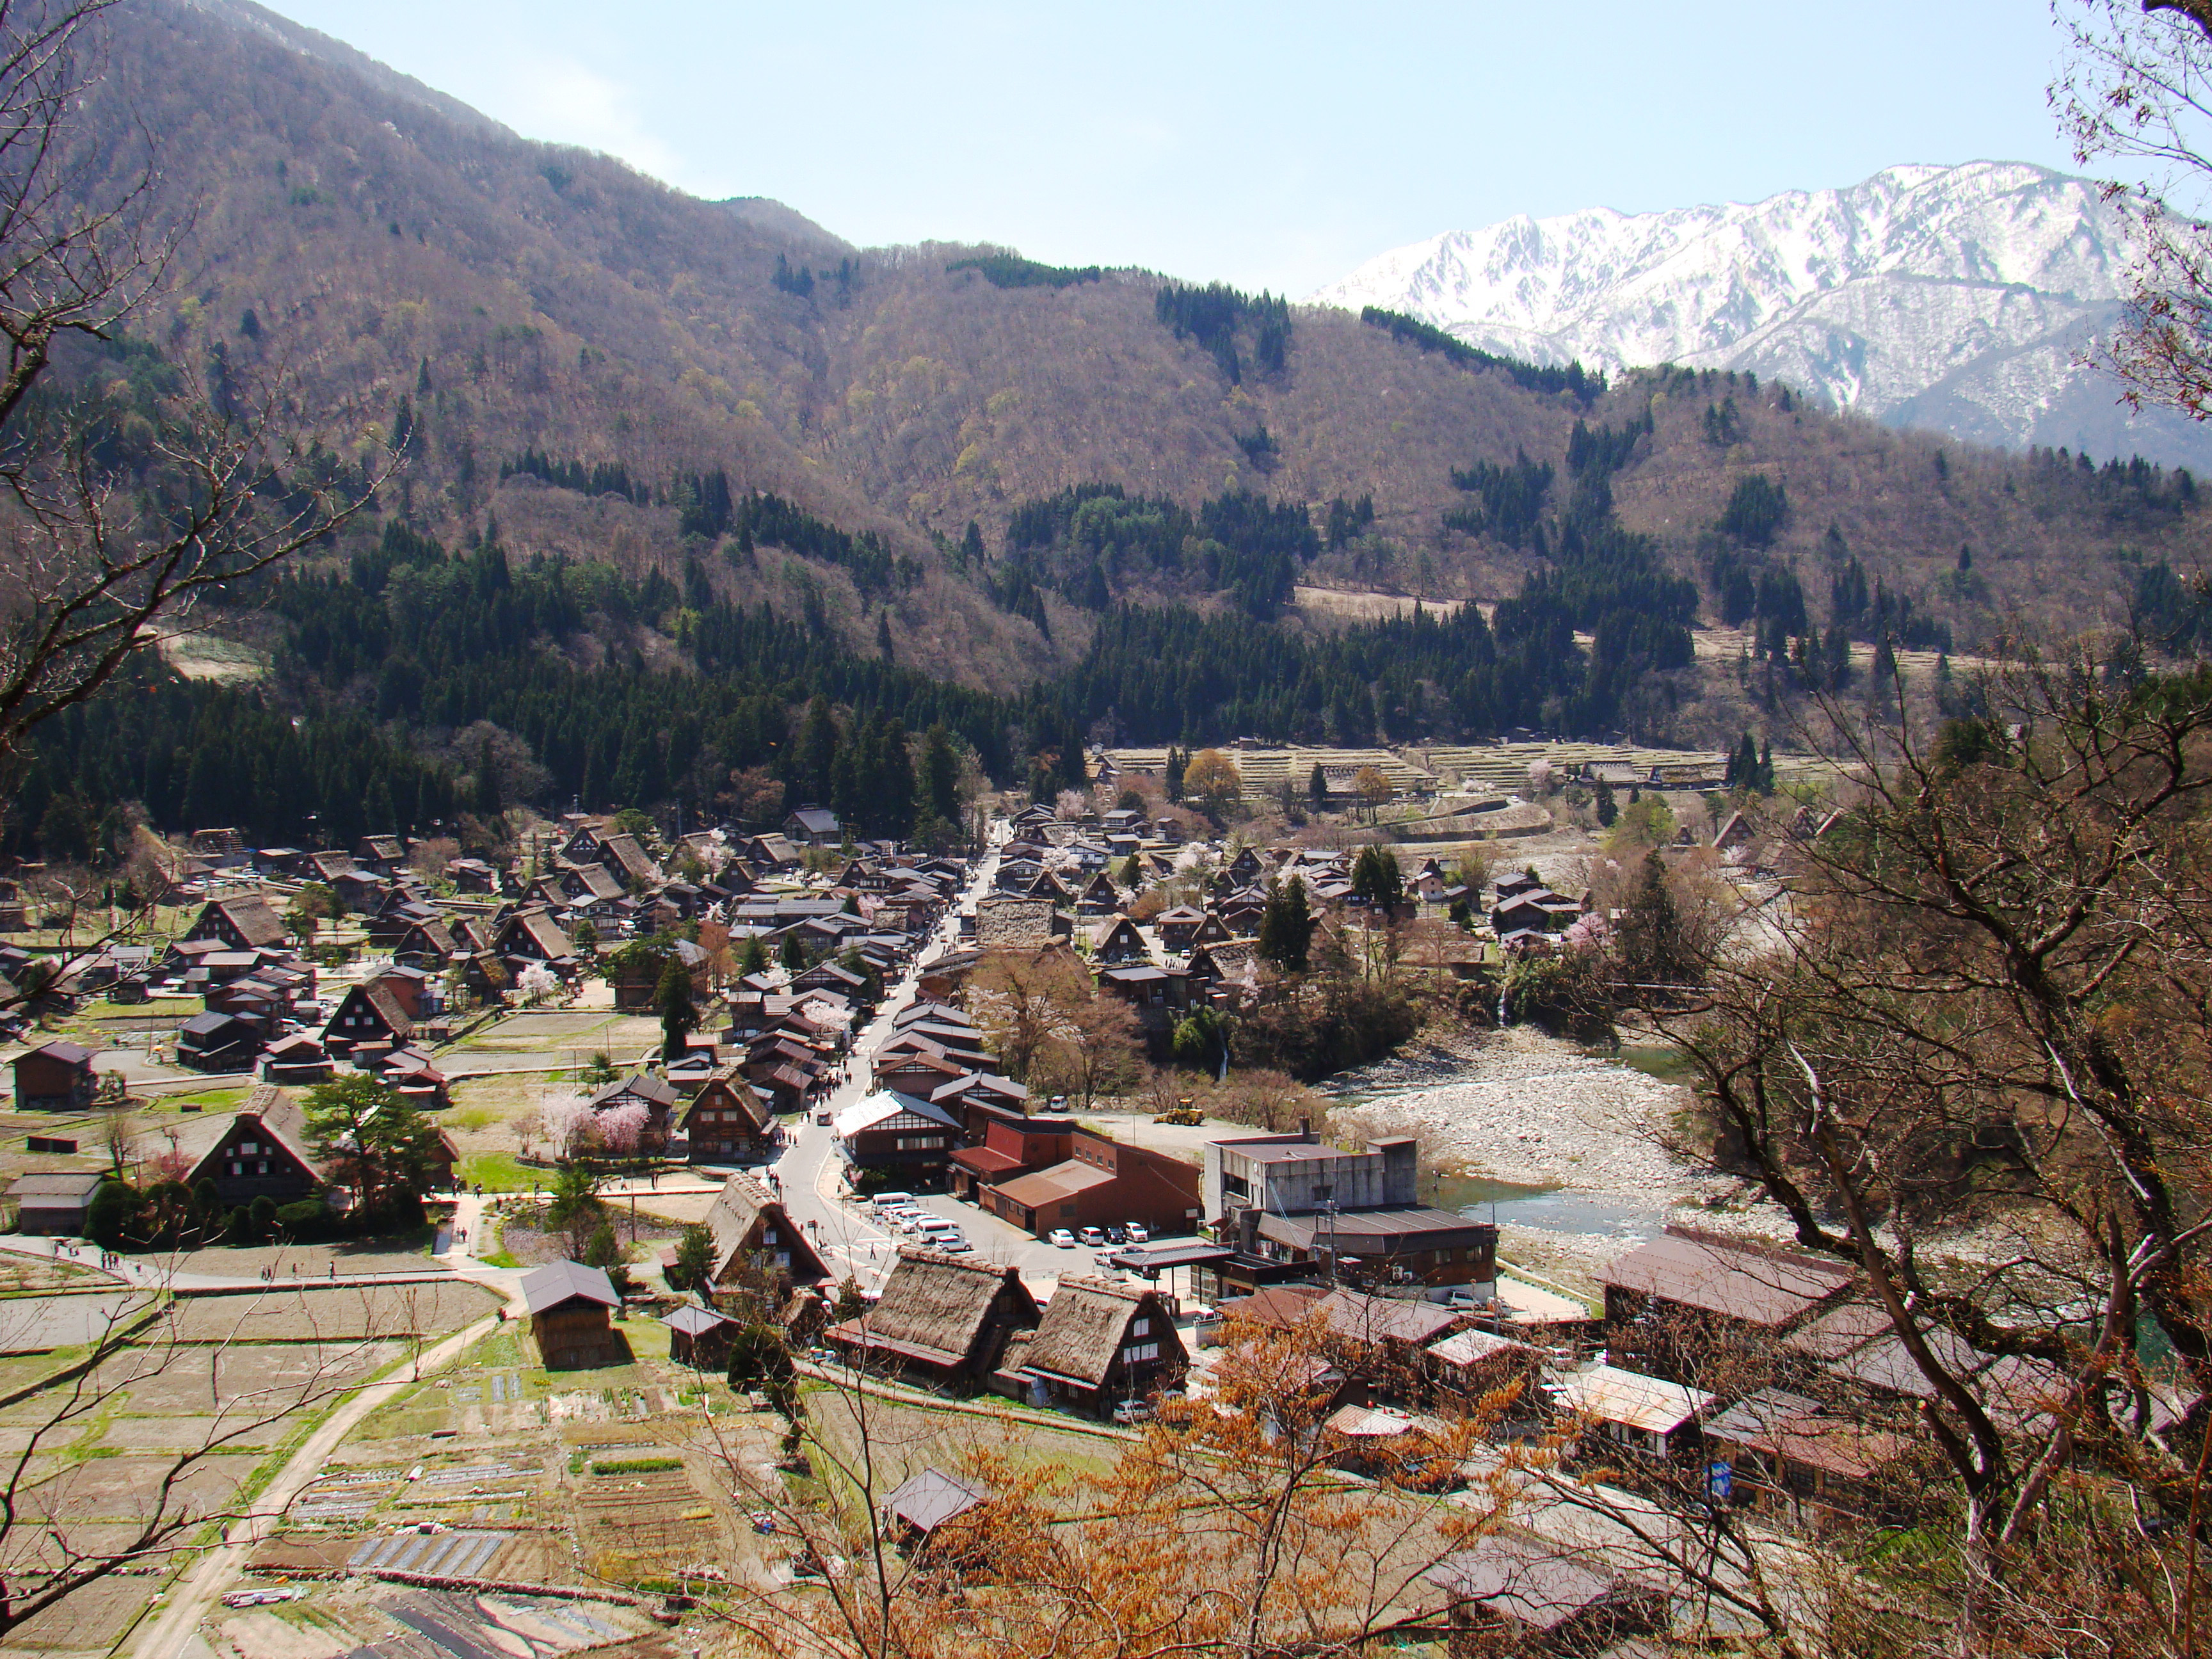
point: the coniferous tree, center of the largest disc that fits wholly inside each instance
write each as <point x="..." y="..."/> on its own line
<point x="671" y="1000"/>
<point x="940" y="779"/>
<point x="1649" y="940"/>
<point x="1377" y="877"/>
<point x="818" y="752"/>
<point x="1607" y="808"/>
<point x="1286" y="927"/>
<point x="1171" y="777"/>
<point x="1885" y="664"/>
<point x="1318" y="788"/>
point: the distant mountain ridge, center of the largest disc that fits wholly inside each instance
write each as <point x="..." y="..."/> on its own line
<point x="593" y="360"/>
<point x="1955" y="299"/>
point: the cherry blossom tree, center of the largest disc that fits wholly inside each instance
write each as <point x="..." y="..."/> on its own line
<point x="566" y="1118"/>
<point x="538" y="984"/>
<point x="619" y="1129"/>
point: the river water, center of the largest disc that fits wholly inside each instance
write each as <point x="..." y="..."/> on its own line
<point x="1552" y="1209"/>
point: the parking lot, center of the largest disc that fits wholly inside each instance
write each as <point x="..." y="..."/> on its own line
<point x="1042" y="1265"/>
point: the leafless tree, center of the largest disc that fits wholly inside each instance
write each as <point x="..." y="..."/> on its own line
<point x="1989" y="1003"/>
<point x="2136" y="94"/>
<point x="48" y="1550"/>
<point x="94" y="568"/>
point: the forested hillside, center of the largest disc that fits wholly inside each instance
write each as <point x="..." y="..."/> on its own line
<point x="670" y="470"/>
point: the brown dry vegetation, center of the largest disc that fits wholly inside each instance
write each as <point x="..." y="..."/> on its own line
<point x="387" y="241"/>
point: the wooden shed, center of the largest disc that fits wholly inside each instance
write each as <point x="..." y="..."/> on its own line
<point x="1512" y="1595"/>
<point x="568" y="1304"/>
<point x="699" y="1336"/>
<point x="54" y="1203"/>
<point x="926" y="1512"/>
<point x="56" y="1077"/>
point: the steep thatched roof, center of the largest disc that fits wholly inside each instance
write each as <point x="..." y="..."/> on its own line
<point x="743" y="1213"/>
<point x="937" y="1309"/>
<point x="1084" y="1326"/>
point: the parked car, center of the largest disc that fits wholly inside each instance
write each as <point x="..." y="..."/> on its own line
<point x="1132" y="1412"/>
<point x="1060" y="1237"/>
<point x="1138" y="1233"/>
<point x="1117" y="1234"/>
<point x="1057" y="1103"/>
<point x="953" y="1242"/>
<point x="1091" y="1236"/>
<point x="822" y="1117"/>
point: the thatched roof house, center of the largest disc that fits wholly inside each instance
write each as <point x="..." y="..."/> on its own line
<point x="942" y="1317"/>
<point x="1101" y="1341"/>
<point x="756" y="1241"/>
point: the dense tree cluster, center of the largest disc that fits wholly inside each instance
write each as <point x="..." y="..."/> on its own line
<point x="1755" y="510"/>
<point x="1584" y="387"/>
<point x="1012" y="270"/>
<point x="1212" y="316"/>
<point x="1089" y="541"/>
<point x="2130" y="491"/>
<point x="598" y="478"/>
<point x="192" y="754"/>
<point x="799" y="279"/>
<point x="1347" y="520"/>
<point x="1509" y="504"/>
<point x="433" y="643"/>
<point x="762" y="519"/>
<point x="2170" y="612"/>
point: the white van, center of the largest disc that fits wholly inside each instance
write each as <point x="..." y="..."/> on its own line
<point x="883" y="1201"/>
<point x="937" y="1223"/>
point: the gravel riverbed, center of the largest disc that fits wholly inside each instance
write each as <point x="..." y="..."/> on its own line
<point x="1519" y="1106"/>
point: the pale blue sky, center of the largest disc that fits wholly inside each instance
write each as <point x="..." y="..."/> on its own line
<point x="1273" y="145"/>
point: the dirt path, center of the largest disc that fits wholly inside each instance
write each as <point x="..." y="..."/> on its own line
<point x="198" y="1593"/>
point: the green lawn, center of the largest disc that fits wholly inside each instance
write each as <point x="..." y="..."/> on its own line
<point x="207" y="1100"/>
<point x="499" y="1172"/>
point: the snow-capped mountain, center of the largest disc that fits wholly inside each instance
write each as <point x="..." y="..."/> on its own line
<point x="1955" y="298"/>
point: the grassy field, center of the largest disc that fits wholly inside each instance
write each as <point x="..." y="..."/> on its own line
<point x="155" y="1011"/>
<point x="499" y="1172"/>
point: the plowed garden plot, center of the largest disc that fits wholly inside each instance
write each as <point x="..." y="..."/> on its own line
<point x="129" y="1488"/>
<point x="245" y="1381"/>
<point x="636" y="1525"/>
<point x="346" y="1312"/>
<point x="34" y="1324"/>
<point x="245" y="1430"/>
<point x="91" y="1621"/>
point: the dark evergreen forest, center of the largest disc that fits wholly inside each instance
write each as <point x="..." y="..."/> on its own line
<point x="382" y="663"/>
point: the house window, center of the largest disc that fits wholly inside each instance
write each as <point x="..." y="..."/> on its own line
<point x="1138" y="1352"/>
<point x="1140" y="1326"/>
<point x="236" y="1168"/>
<point x="1323" y="1190"/>
<point x="263" y="1168"/>
<point x="769" y="1236"/>
<point x="249" y="1148"/>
